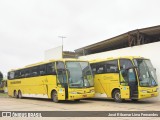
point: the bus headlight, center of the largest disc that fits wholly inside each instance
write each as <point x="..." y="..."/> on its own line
<point x="91" y="90"/>
<point x="73" y="92"/>
<point x="144" y="91"/>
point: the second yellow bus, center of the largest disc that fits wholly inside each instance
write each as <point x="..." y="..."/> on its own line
<point x="124" y="78"/>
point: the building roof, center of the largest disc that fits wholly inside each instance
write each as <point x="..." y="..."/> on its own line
<point x="128" y="39"/>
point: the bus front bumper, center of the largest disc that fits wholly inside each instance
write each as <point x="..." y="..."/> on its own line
<point x="80" y="96"/>
<point x="148" y="95"/>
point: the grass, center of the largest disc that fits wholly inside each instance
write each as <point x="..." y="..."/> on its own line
<point x="3" y="95"/>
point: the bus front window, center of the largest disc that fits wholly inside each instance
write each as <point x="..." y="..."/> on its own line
<point x="79" y="74"/>
<point x="147" y="73"/>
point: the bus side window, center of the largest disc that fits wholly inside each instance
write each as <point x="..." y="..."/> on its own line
<point x="34" y="71"/>
<point x="93" y="67"/>
<point x="22" y="73"/>
<point x="125" y="63"/>
<point x="11" y="75"/>
<point x="27" y="72"/>
<point x="100" y="68"/>
<point x="60" y="65"/>
<point x="42" y="70"/>
<point x="61" y="72"/>
<point x="17" y="74"/>
<point x="112" y="66"/>
<point x="51" y="69"/>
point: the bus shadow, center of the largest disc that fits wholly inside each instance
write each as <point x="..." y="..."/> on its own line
<point x="59" y="102"/>
<point x="99" y="99"/>
<point x="124" y="101"/>
<point x="91" y="100"/>
<point x="140" y="102"/>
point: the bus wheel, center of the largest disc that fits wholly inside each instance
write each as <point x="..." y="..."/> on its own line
<point x="117" y="96"/>
<point x="15" y="94"/>
<point x="19" y="94"/>
<point x="54" y="97"/>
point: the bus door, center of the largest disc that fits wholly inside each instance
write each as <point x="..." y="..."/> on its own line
<point x="129" y="76"/>
<point x="132" y="82"/>
<point x="62" y="76"/>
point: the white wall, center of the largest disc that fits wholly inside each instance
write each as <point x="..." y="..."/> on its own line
<point x="54" y="53"/>
<point x="151" y="51"/>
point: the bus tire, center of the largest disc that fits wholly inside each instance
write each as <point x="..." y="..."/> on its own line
<point x="19" y="94"/>
<point x="55" y="96"/>
<point x="15" y="94"/>
<point x="117" y="96"/>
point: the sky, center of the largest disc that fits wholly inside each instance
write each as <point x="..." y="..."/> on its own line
<point x="30" y="27"/>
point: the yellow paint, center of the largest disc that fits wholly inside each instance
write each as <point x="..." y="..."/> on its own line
<point x="125" y="92"/>
<point x="44" y="85"/>
<point x="146" y="92"/>
<point x="106" y="83"/>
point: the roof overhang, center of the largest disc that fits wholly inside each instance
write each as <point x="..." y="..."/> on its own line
<point x="120" y="41"/>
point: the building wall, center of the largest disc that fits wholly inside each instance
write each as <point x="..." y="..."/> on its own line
<point x="53" y="53"/>
<point x="151" y="51"/>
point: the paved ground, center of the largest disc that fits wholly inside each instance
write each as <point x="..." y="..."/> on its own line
<point x="28" y="104"/>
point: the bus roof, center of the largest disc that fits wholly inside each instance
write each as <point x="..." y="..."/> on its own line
<point x="113" y="58"/>
<point x="48" y="61"/>
<point x="53" y="60"/>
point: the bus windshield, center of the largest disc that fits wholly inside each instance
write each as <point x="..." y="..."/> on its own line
<point x="80" y="74"/>
<point x="147" y="73"/>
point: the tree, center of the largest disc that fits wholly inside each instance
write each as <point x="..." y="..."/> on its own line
<point x="1" y="77"/>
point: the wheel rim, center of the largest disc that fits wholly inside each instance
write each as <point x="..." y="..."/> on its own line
<point x="55" y="97"/>
<point x="117" y="96"/>
<point x="19" y="95"/>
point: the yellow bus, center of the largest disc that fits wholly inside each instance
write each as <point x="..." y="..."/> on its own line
<point x="65" y="79"/>
<point x="124" y="78"/>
